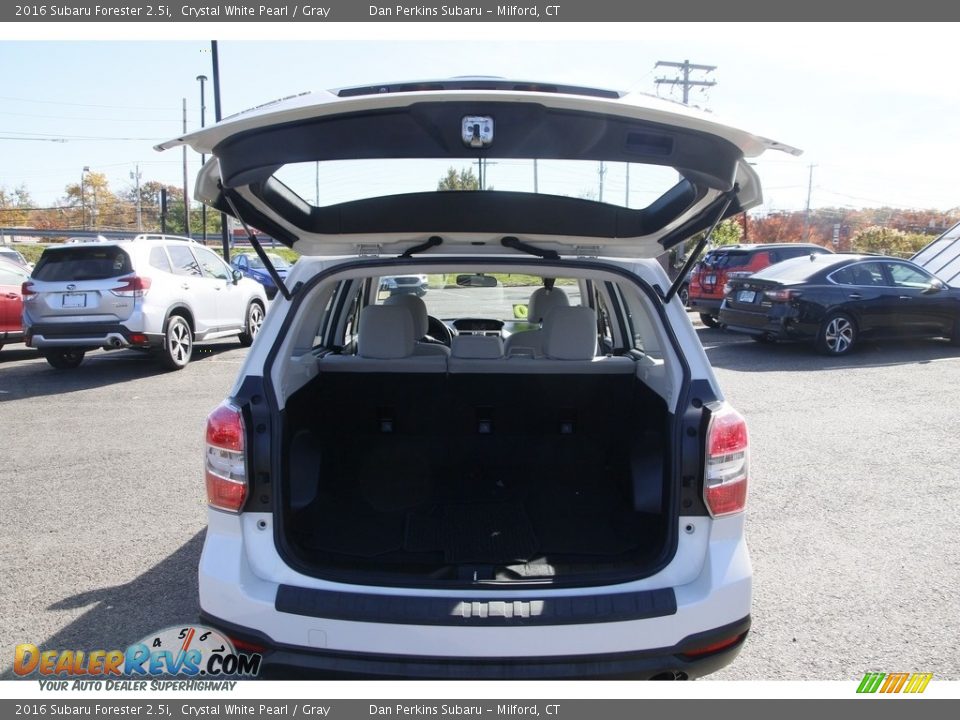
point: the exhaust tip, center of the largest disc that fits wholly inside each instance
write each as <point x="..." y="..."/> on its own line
<point x="670" y="675"/>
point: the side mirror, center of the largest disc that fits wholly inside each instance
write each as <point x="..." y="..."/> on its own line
<point x="237" y="276"/>
<point x="934" y="287"/>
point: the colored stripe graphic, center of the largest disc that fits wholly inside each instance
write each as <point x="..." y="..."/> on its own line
<point x="894" y="682"/>
<point x="870" y="682"/>
<point x="918" y="682"/>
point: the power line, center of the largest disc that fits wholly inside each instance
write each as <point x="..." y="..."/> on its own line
<point x="685" y="67"/>
<point x="61" y="102"/>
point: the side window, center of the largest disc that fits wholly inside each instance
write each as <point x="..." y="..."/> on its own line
<point x="11" y="276"/>
<point x="159" y="260"/>
<point x="184" y="263"/>
<point x="843" y="276"/>
<point x="864" y="274"/>
<point x="908" y="277"/>
<point x="212" y="265"/>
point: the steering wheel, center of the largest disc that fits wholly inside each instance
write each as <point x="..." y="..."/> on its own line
<point x="438" y="331"/>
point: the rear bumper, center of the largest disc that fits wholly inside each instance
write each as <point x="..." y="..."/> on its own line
<point x="599" y="631"/>
<point x="673" y="663"/>
<point x="776" y="324"/>
<point x="707" y="306"/>
<point x="88" y="335"/>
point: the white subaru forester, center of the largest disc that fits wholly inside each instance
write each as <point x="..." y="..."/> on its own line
<point x="529" y="473"/>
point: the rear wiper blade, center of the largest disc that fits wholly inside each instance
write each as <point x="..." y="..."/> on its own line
<point x="675" y="287"/>
<point x="252" y="237"/>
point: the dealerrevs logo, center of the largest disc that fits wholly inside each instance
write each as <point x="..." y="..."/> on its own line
<point x="191" y="651"/>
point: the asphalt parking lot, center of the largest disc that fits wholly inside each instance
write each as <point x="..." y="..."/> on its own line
<point x="853" y="526"/>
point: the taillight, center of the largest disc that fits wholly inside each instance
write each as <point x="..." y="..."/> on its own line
<point x="728" y="463"/>
<point x="781" y="295"/>
<point x="226" y="470"/>
<point x="133" y="286"/>
<point x="27" y="291"/>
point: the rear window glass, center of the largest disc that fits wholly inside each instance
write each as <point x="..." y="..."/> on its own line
<point x="86" y="263"/>
<point x="731" y="260"/>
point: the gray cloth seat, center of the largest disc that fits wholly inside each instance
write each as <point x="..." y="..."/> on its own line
<point x="386" y="343"/>
<point x="418" y="312"/>
<point x="529" y="343"/>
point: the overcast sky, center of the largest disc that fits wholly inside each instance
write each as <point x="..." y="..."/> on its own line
<point x="875" y="108"/>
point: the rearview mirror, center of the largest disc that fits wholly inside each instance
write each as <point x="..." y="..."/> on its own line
<point x="237" y="276"/>
<point x="476" y="280"/>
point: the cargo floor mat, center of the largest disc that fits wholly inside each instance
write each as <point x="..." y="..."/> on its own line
<point x="477" y="532"/>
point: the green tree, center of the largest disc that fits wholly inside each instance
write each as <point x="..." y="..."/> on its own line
<point x="14" y="206"/>
<point x="463" y="180"/>
<point x="96" y="206"/>
<point x="888" y="241"/>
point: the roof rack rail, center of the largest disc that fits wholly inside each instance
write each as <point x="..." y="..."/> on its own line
<point x="162" y="236"/>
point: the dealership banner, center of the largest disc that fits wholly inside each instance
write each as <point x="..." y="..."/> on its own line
<point x="550" y="11"/>
<point x="511" y="708"/>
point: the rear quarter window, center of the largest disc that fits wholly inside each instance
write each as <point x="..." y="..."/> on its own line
<point x="82" y="264"/>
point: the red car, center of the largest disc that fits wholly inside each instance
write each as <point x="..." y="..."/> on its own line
<point x="709" y="277"/>
<point x="12" y="277"/>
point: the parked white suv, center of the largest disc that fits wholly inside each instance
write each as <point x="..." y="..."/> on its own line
<point x="557" y="499"/>
<point x="154" y="292"/>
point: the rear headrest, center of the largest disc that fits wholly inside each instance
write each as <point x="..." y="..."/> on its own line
<point x="482" y="347"/>
<point x="543" y="301"/>
<point x="416" y="307"/>
<point x="570" y="334"/>
<point x="386" y="332"/>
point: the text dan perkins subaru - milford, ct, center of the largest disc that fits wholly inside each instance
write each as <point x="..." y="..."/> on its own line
<point x="416" y="11"/>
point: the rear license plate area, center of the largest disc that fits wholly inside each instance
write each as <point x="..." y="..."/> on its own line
<point x="74" y="300"/>
<point x="746" y="296"/>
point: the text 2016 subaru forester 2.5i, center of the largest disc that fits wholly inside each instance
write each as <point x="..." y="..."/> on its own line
<point x="561" y="497"/>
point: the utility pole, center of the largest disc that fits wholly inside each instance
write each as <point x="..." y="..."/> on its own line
<point x="806" y="213"/>
<point x="224" y="231"/>
<point x="186" y="195"/>
<point x="203" y="157"/>
<point x="601" y="172"/>
<point x="83" y="199"/>
<point x="685" y="67"/>
<point x="135" y="176"/>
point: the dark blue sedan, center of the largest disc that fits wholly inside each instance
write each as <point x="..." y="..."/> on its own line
<point x="251" y="266"/>
<point x="835" y="300"/>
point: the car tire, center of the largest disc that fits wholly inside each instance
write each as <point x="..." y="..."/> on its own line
<point x="64" y="358"/>
<point x="252" y="323"/>
<point x="709" y="320"/>
<point x="177" y="344"/>
<point x="838" y="334"/>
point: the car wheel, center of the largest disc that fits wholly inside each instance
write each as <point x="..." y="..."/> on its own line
<point x="684" y="295"/>
<point x="64" y="358"/>
<point x="709" y="320"/>
<point x="838" y="334"/>
<point x="177" y="344"/>
<point x="252" y="324"/>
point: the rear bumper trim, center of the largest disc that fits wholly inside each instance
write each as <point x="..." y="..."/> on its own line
<point x="407" y="610"/>
<point x="281" y="661"/>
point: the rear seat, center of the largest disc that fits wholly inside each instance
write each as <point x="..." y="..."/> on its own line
<point x="387" y="343"/>
<point x="569" y="347"/>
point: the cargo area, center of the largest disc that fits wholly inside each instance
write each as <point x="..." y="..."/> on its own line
<point x="461" y="478"/>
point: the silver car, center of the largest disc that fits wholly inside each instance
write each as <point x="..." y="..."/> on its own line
<point x="154" y="292"/>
